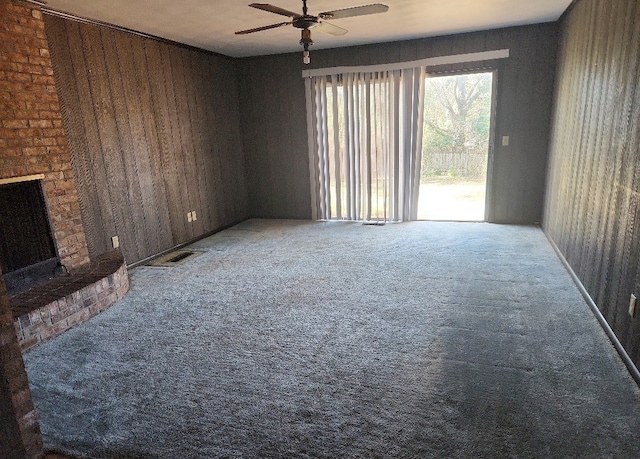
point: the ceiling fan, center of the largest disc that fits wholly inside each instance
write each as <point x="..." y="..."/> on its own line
<point x="307" y="21"/>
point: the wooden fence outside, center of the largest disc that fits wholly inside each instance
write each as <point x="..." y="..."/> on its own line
<point x="454" y="162"/>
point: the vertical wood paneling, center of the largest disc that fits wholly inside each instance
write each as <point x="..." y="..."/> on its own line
<point x="182" y="132"/>
<point x="156" y="202"/>
<point x="213" y="152"/>
<point x="122" y="164"/>
<point x="592" y="206"/>
<point x="272" y="101"/>
<point x="152" y="137"/>
<point x="168" y="147"/>
<point x="75" y="127"/>
<point x="110" y="143"/>
<point x="83" y="134"/>
<point x="199" y="120"/>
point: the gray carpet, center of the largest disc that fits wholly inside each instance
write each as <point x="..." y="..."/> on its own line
<point x="301" y="339"/>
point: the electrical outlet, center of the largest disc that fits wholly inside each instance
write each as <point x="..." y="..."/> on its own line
<point x="189" y="217"/>
<point x="194" y="217"/>
<point x="115" y="242"/>
<point x="632" y="305"/>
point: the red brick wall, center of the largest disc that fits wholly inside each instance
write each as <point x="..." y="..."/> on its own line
<point x="20" y="431"/>
<point x="32" y="139"/>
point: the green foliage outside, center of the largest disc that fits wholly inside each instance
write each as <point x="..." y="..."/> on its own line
<point x="456" y="125"/>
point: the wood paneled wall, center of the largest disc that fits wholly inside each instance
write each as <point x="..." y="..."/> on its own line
<point x="592" y="204"/>
<point x="272" y="101"/>
<point x="154" y="133"/>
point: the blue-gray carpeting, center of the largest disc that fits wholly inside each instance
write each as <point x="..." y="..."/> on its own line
<point x="302" y="339"/>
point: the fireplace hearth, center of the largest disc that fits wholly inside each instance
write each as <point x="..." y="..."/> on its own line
<point x="49" y="309"/>
<point x="46" y="298"/>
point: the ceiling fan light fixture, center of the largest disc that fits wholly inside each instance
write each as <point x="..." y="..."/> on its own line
<point x="306" y="41"/>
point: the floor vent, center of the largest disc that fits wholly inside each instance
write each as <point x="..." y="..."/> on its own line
<point x="175" y="258"/>
<point x="373" y="223"/>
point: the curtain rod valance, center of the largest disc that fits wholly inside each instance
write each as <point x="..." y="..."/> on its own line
<point x="440" y="60"/>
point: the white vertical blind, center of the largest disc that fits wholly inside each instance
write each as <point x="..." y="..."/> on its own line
<point x="366" y="144"/>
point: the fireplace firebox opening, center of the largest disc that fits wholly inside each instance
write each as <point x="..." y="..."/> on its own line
<point x="27" y="251"/>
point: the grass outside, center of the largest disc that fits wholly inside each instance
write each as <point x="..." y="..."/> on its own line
<point x="452" y="198"/>
<point x="441" y="198"/>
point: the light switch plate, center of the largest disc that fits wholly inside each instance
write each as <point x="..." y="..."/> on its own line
<point x="189" y="217"/>
<point x="505" y="140"/>
<point x="115" y="242"/>
<point x="194" y="217"/>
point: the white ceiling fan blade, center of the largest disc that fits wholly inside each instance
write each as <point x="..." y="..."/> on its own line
<point x="355" y="11"/>
<point x="330" y="29"/>
<point x="258" y="29"/>
<point x="274" y="9"/>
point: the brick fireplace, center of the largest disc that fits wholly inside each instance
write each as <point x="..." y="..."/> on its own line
<point x="35" y="165"/>
<point x="32" y="139"/>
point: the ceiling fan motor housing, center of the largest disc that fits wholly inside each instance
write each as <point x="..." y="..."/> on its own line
<point x="305" y="22"/>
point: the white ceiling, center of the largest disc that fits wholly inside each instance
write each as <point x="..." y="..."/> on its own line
<point x="210" y="24"/>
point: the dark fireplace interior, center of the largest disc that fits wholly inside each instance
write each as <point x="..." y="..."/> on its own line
<point x="27" y="252"/>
